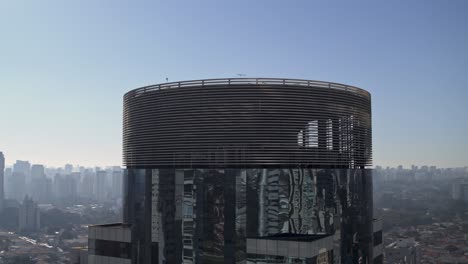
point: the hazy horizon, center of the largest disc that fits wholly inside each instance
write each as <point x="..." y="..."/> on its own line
<point x="76" y="165"/>
<point x="66" y="66"/>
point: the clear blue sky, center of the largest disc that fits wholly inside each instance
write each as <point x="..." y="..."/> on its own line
<point x="65" y="65"/>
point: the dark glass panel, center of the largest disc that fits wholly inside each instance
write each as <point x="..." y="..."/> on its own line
<point x="205" y="215"/>
<point x="377" y="238"/>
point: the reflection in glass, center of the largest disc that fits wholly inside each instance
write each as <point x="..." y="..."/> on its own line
<point x="206" y="215"/>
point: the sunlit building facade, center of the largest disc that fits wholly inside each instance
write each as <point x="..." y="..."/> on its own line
<point x="248" y="171"/>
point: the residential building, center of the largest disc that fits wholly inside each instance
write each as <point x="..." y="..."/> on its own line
<point x="29" y="216"/>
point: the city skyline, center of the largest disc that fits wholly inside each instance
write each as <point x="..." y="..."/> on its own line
<point x="76" y="166"/>
<point x="67" y="66"/>
<point x="233" y="131"/>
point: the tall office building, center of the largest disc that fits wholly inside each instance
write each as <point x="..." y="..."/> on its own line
<point x="244" y="171"/>
<point x="2" y="180"/>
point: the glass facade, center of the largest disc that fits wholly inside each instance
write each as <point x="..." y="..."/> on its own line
<point x="206" y="215"/>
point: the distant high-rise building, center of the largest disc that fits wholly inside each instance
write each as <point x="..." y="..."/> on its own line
<point x="424" y="168"/>
<point x="7" y="182"/>
<point x="456" y="190"/>
<point x="2" y="180"/>
<point x="37" y="171"/>
<point x="42" y="191"/>
<point x="22" y="167"/>
<point x="464" y="191"/>
<point x="100" y="186"/>
<point x="36" y="185"/>
<point x="76" y="176"/>
<point x="68" y="168"/>
<point x="244" y="171"/>
<point x="29" y="216"/>
<point x="460" y="190"/>
<point x="18" y="185"/>
<point x="21" y="179"/>
<point x="116" y="181"/>
<point x="65" y="187"/>
<point x="37" y="188"/>
<point x="48" y="195"/>
<point x="87" y="185"/>
<point x="50" y="172"/>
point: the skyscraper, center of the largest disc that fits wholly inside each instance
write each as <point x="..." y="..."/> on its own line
<point x="244" y="170"/>
<point x="2" y="180"/>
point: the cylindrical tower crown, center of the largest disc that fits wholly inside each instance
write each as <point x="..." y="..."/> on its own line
<point x="243" y="122"/>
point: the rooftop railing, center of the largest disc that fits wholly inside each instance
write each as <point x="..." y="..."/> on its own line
<point x="249" y="81"/>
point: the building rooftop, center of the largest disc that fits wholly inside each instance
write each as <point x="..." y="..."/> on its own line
<point x="403" y="243"/>
<point x="250" y="81"/>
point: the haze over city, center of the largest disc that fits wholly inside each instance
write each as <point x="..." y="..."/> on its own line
<point x="66" y="65"/>
<point x="249" y="132"/>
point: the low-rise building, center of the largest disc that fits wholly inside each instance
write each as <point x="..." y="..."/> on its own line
<point x="404" y="250"/>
